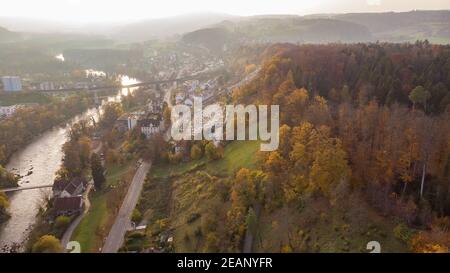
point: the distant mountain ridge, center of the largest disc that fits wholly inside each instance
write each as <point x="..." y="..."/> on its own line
<point x="315" y="28"/>
<point x="330" y="28"/>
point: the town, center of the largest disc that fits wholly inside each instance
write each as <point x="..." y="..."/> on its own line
<point x="294" y="127"/>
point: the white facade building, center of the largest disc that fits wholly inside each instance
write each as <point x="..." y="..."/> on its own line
<point x="148" y="131"/>
<point x="11" y="83"/>
<point x="7" y="111"/>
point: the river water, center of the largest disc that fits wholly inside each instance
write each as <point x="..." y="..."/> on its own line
<point x="38" y="163"/>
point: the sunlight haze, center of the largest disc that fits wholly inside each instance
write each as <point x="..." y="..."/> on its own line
<point x="85" y="11"/>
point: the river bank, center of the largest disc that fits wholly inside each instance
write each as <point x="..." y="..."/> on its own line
<point x="43" y="155"/>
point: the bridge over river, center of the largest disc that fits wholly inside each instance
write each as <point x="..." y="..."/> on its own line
<point x="25" y="188"/>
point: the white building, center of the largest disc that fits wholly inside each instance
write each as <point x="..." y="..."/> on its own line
<point x="149" y="130"/>
<point x="46" y="86"/>
<point x="7" y="111"/>
<point x="11" y="83"/>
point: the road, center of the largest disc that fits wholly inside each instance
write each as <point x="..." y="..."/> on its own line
<point x="116" y="235"/>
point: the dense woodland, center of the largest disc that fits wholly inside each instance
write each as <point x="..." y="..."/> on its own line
<point x="27" y="123"/>
<point x="371" y="120"/>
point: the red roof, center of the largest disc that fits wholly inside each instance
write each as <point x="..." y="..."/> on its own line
<point x="68" y="203"/>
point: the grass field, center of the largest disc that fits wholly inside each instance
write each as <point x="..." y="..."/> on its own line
<point x="176" y="192"/>
<point x="237" y="154"/>
<point x="96" y="223"/>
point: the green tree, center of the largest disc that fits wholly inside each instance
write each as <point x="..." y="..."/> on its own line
<point x="97" y="171"/>
<point x="62" y="222"/>
<point x="136" y="216"/>
<point x="419" y="95"/>
<point x="47" y="244"/>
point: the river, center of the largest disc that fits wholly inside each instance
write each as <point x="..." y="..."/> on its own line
<point x="38" y="163"/>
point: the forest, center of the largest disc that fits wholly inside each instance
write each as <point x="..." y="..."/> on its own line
<point x="366" y="120"/>
<point x="30" y="122"/>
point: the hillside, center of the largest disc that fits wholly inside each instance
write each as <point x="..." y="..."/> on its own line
<point x="407" y="26"/>
<point x="344" y="28"/>
<point x="166" y="27"/>
<point x="8" y="36"/>
<point x="352" y="166"/>
<point x="211" y="38"/>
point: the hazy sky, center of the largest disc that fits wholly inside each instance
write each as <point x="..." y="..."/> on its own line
<point x="125" y="10"/>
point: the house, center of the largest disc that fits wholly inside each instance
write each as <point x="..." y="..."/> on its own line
<point x="74" y="187"/>
<point x="150" y="130"/>
<point x="150" y="124"/>
<point x="68" y="205"/>
<point x="58" y="187"/>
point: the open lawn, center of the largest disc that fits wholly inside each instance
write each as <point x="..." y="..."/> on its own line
<point x="237" y="154"/>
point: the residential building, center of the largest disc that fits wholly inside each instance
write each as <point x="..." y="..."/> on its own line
<point x="68" y="205"/>
<point x="7" y="111"/>
<point x="150" y="124"/>
<point x="11" y="83"/>
<point x="46" y="86"/>
<point x="74" y="187"/>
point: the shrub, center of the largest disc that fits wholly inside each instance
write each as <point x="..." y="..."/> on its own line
<point x="136" y="216"/>
<point x="62" y="222"/>
<point x="136" y="235"/>
<point x="403" y="233"/>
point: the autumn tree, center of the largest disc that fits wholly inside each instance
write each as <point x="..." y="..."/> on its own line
<point x="111" y="112"/>
<point x="47" y="244"/>
<point x="212" y="152"/>
<point x="7" y="179"/>
<point x="3" y="206"/>
<point x="196" y="152"/>
<point x="167" y="114"/>
<point x="247" y="191"/>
